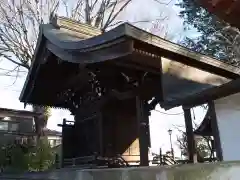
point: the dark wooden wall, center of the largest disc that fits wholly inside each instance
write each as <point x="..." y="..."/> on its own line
<point x="120" y="128"/>
<point x="81" y="138"/>
<point x="113" y="131"/>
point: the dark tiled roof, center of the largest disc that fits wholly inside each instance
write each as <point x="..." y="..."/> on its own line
<point x="49" y="132"/>
<point x="205" y="128"/>
<point x="185" y="72"/>
<point x="18" y="112"/>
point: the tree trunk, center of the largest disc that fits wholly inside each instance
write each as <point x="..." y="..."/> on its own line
<point x="41" y="120"/>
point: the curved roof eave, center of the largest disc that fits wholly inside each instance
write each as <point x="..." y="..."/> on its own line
<point x="50" y="38"/>
<point x="33" y="64"/>
<point x="56" y="39"/>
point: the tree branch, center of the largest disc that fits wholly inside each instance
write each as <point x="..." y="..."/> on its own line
<point x="163" y="3"/>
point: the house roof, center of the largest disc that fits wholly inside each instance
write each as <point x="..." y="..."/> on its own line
<point x="225" y="9"/>
<point x="63" y="52"/>
<point x="205" y="128"/>
<point x="49" y="132"/>
<point x="14" y="112"/>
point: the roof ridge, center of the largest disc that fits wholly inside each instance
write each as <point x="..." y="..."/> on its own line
<point x="74" y="26"/>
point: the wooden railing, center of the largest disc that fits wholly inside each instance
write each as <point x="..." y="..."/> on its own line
<point x="96" y="161"/>
<point x="114" y="162"/>
<point x="88" y="161"/>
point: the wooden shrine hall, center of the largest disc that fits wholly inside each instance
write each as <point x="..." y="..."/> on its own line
<point x="111" y="81"/>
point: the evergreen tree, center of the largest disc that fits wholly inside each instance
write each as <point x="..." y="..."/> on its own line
<point x="41" y="157"/>
<point x="216" y="38"/>
<point x="203" y="147"/>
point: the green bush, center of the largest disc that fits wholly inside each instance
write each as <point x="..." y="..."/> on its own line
<point x="26" y="157"/>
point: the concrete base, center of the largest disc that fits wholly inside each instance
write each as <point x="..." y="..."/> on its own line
<point x="219" y="171"/>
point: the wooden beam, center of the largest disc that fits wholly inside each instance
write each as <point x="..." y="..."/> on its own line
<point x="100" y="131"/>
<point x="215" y="130"/>
<point x="124" y="95"/>
<point x="141" y="90"/>
<point x="160" y="96"/>
<point x="187" y="57"/>
<point x="142" y="118"/>
<point x="192" y="155"/>
<point x="134" y="66"/>
<point x="63" y="143"/>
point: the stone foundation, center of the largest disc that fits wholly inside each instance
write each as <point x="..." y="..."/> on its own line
<point x="218" y="171"/>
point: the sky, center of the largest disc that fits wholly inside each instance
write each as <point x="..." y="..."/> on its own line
<point x="160" y="122"/>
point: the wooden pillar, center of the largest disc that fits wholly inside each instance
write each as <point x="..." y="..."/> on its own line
<point x="215" y="130"/>
<point x="192" y="155"/>
<point x="143" y="128"/>
<point x="100" y="131"/>
<point x="63" y="142"/>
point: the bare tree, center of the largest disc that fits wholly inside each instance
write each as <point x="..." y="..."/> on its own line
<point x="20" y="20"/>
<point x="231" y="37"/>
<point x="161" y="29"/>
<point x="203" y="145"/>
